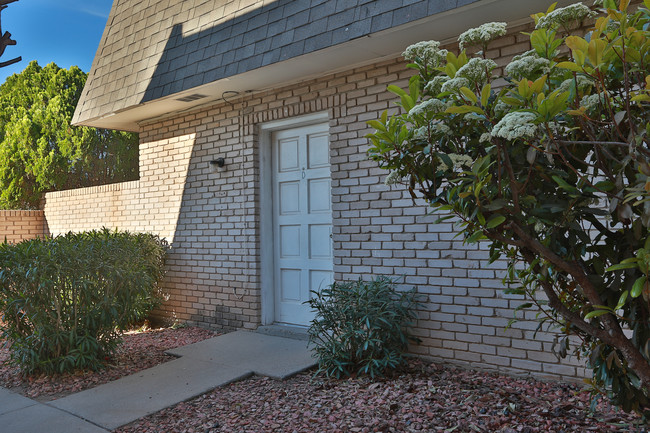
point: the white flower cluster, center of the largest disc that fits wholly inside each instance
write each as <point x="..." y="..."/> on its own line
<point x="554" y="128"/>
<point x="591" y="102"/>
<point x="454" y="84"/>
<point x="426" y="53"/>
<point x="563" y="16"/>
<point x="459" y="162"/>
<point x="486" y="137"/>
<point x="420" y="133"/>
<point x="474" y="117"/>
<point x="477" y="70"/>
<point x="582" y="82"/>
<point x="481" y="35"/>
<point x="393" y="178"/>
<point x="514" y="125"/>
<point x="501" y="108"/>
<point x="440" y="128"/>
<point x="435" y="128"/>
<point x="527" y="65"/>
<point x="429" y="106"/>
<point x="434" y="87"/>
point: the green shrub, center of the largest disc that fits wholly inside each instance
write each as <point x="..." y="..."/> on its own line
<point x="64" y="300"/>
<point x="361" y="327"/>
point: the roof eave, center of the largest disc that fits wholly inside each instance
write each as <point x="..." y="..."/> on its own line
<point x="358" y="52"/>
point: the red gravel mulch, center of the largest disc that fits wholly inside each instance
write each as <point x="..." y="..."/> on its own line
<point x="424" y="398"/>
<point x="140" y="350"/>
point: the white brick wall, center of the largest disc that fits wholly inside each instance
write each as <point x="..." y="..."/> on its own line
<point x="213" y="221"/>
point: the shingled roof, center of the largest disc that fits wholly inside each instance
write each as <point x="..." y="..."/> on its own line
<point x="151" y="50"/>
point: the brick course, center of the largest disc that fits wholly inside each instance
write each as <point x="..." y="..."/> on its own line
<point x="212" y="220"/>
<point x="20" y="225"/>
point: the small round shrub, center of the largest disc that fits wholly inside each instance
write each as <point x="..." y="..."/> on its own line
<point x="361" y="327"/>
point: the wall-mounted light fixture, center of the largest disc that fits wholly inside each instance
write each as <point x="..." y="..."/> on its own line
<point x="217" y="164"/>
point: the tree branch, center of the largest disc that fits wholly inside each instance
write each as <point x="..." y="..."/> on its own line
<point x="10" y="62"/>
<point x="612" y="334"/>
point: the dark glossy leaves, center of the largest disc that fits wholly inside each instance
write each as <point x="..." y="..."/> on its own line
<point x="65" y="299"/>
<point x="361" y="327"/>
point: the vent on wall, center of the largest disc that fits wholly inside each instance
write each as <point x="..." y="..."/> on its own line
<point x="192" y="97"/>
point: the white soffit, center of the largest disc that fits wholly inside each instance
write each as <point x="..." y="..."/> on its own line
<point x="390" y="43"/>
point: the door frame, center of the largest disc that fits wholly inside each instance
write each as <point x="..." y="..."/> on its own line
<point x="267" y="241"/>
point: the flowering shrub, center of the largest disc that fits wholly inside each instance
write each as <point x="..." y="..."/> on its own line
<point x="552" y="168"/>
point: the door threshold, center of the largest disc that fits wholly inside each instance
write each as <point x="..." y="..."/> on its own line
<point x="294" y="332"/>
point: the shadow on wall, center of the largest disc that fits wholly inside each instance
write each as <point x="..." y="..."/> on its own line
<point x="211" y="266"/>
<point x="20" y="225"/>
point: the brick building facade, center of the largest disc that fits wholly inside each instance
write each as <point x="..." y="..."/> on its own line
<point x="220" y="221"/>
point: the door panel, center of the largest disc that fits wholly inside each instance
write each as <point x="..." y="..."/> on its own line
<point x="289" y="198"/>
<point x="302" y="225"/>
<point x="319" y="195"/>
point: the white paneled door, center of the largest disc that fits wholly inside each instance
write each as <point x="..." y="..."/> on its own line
<point x="302" y="214"/>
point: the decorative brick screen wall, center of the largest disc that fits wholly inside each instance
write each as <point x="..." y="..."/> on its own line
<point x="114" y="205"/>
<point x="19" y="225"/>
<point x="213" y="220"/>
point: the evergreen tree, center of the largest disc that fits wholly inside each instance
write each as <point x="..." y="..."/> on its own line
<point x="41" y="151"/>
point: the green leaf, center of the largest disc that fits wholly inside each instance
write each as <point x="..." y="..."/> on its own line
<point x="524" y="89"/>
<point x="621" y="300"/>
<point x="637" y="287"/>
<point x="641" y="98"/>
<point x="414" y="87"/>
<point x="538" y="42"/>
<point x="595" y="313"/>
<point x="523" y="306"/>
<point x="475" y="237"/>
<point x="605" y="185"/>
<point x="446" y="159"/>
<point x="621" y="266"/>
<point x="396" y="90"/>
<point x="570" y="66"/>
<point x="595" y="51"/>
<point x="469" y="94"/>
<point x="485" y="94"/>
<point x="450" y="69"/>
<point x="576" y="43"/>
<point x="538" y="85"/>
<point x="511" y="101"/>
<point x="496" y="205"/>
<point x="462" y="109"/>
<point x="564" y="185"/>
<point x="377" y="125"/>
<point x="407" y="102"/>
<point x="443" y="219"/>
<point x="495" y="221"/>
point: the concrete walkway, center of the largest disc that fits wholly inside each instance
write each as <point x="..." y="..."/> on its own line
<point x="201" y="367"/>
